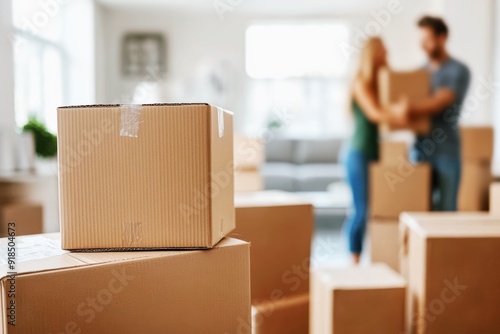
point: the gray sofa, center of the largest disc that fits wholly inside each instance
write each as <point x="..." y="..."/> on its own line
<point x="302" y="164"/>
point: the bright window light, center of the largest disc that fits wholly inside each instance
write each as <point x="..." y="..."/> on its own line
<point x="276" y="51"/>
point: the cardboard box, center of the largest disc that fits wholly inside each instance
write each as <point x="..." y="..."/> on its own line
<point x="248" y="181"/>
<point x="477" y="143"/>
<point x="453" y="274"/>
<point x="28" y="218"/>
<point x="384" y="242"/>
<point x="279" y="227"/>
<point x="289" y="315"/>
<point x="249" y="153"/>
<point x="357" y="300"/>
<point x="495" y="199"/>
<point x="398" y="188"/>
<point x="474" y="189"/>
<point x="392" y="152"/>
<point x="145" y="177"/>
<point x="127" y="292"/>
<point x="415" y="85"/>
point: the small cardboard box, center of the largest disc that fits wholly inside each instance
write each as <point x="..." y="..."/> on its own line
<point x="415" y="85"/>
<point x="126" y="292"/>
<point x="453" y="273"/>
<point x="279" y="226"/>
<point x="357" y="300"/>
<point x="495" y="199"/>
<point x="475" y="183"/>
<point x="289" y="315"/>
<point x="397" y="188"/>
<point x="384" y="242"/>
<point x="27" y="218"/>
<point x="145" y="176"/>
<point x="391" y="152"/>
<point x="249" y="153"/>
<point x="248" y="181"/>
<point x="477" y="143"/>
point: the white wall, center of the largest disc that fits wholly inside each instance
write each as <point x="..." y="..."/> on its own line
<point x="6" y="65"/>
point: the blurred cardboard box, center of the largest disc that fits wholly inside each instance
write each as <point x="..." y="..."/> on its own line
<point x="248" y="181"/>
<point x="145" y="176"/>
<point x="477" y="143"/>
<point x="279" y="227"/>
<point x="126" y="292"/>
<point x="27" y="219"/>
<point x="289" y="315"/>
<point x="495" y="198"/>
<point x="453" y="273"/>
<point x="414" y="85"/>
<point x="384" y="241"/>
<point x="249" y="153"/>
<point x="397" y="188"/>
<point x="475" y="183"/>
<point x="391" y="152"/>
<point x="357" y="300"/>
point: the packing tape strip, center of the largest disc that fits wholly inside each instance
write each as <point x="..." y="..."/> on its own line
<point x="130" y="120"/>
<point x="220" y="121"/>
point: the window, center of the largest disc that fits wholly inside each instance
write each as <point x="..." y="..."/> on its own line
<point x="298" y="78"/>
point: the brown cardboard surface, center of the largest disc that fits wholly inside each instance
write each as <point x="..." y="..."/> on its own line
<point x="384" y="242"/>
<point x="477" y="143"/>
<point x="128" y="292"/>
<point x="289" y="315"/>
<point x="28" y="218"/>
<point x="495" y="198"/>
<point x="391" y="152"/>
<point x="279" y="227"/>
<point x="398" y="188"/>
<point x="357" y="300"/>
<point x="248" y="181"/>
<point x="453" y="274"/>
<point x="249" y="153"/>
<point x="160" y="177"/>
<point x="415" y="85"/>
<point x="475" y="182"/>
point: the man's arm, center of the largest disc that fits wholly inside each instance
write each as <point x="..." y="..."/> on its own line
<point x="439" y="101"/>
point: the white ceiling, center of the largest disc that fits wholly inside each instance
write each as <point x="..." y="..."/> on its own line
<point x="262" y="7"/>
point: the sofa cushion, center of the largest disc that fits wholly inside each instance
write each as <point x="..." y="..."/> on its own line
<point x="317" y="151"/>
<point x="279" y="150"/>
<point x="317" y="177"/>
<point x="279" y="176"/>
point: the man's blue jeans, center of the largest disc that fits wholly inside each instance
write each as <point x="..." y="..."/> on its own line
<point x="446" y="173"/>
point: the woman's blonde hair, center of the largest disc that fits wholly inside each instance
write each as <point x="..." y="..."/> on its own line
<point x="367" y="68"/>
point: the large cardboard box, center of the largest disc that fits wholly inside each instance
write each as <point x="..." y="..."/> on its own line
<point x="391" y="152"/>
<point x="384" y="242"/>
<point x="249" y="153"/>
<point x="397" y="188"/>
<point x="279" y="226"/>
<point x="248" y="181"/>
<point x="475" y="182"/>
<point x="205" y="291"/>
<point x="453" y="274"/>
<point x="495" y="199"/>
<point x="27" y="218"/>
<point x="415" y="85"/>
<point x="143" y="177"/>
<point x="289" y="315"/>
<point x="357" y="300"/>
<point x="477" y="143"/>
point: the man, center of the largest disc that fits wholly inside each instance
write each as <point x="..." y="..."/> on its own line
<point x="441" y="147"/>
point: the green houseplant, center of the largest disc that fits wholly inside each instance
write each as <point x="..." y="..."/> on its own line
<point x="45" y="142"/>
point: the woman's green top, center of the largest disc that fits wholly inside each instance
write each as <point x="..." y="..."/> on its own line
<point x="365" y="138"/>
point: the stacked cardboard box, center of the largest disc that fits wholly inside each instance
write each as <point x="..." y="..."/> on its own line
<point x="396" y="185"/>
<point x="357" y="300"/>
<point x="452" y="273"/>
<point x="279" y="227"/>
<point x="248" y="158"/>
<point x="477" y="154"/>
<point x="414" y="86"/>
<point x="495" y="199"/>
<point x="137" y="177"/>
<point x="25" y="218"/>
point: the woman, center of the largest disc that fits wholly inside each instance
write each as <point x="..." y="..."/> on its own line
<point x="363" y="147"/>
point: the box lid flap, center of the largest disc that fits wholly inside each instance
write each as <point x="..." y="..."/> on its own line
<point x="267" y="198"/>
